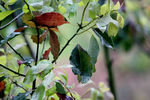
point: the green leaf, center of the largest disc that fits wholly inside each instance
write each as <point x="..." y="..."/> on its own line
<point x="4" y="14"/>
<point x="51" y="91"/>
<point x="94" y="9"/>
<point x="104" y="9"/>
<point x="112" y="29"/>
<point x="21" y="96"/>
<point x="81" y="61"/>
<point x="48" y="79"/>
<point x="104" y="21"/>
<point x="120" y="20"/>
<point x="104" y="38"/>
<point x="39" y="93"/>
<point x="62" y="9"/>
<point x="93" y="50"/>
<point x="26" y="10"/>
<point x="30" y="77"/>
<point x="60" y="89"/>
<point x="41" y="66"/>
<point x="117" y="6"/>
<point x="9" y="37"/>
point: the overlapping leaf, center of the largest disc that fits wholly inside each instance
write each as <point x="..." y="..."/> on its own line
<point x="81" y="61"/>
<point x="105" y="39"/>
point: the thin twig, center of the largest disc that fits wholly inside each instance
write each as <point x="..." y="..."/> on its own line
<point x="11" y="70"/>
<point x="84" y="12"/>
<point x="12" y="21"/>
<point x="18" y="54"/>
<point x="19" y="85"/>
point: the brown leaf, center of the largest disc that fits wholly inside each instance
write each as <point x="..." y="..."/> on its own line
<point x="54" y="43"/>
<point x="46" y="53"/>
<point x="41" y="38"/>
<point x="51" y="19"/>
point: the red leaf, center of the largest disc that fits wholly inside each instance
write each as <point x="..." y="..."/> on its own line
<point x="46" y="53"/>
<point x="51" y="19"/>
<point x="20" y="29"/>
<point x="54" y="43"/>
<point x="2" y="88"/>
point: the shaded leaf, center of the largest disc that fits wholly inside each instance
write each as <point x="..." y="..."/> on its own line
<point x="93" y="49"/>
<point x="81" y="61"/>
<point x="59" y="88"/>
<point x="2" y="78"/>
<point x="54" y="43"/>
<point x="63" y="97"/>
<point x="46" y="54"/>
<point x="51" y="19"/>
<point x="39" y="93"/>
<point x="21" y="96"/>
<point x="105" y="39"/>
<point x="9" y="37"/>
<point x="41" y="38"/>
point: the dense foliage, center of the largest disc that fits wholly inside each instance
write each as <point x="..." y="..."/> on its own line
<point x="33" y="77"/>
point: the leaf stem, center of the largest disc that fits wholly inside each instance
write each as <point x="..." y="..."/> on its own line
<point x="11" y="70"/>
<point x="110" y="72"/>
<point x="11" y="21"/>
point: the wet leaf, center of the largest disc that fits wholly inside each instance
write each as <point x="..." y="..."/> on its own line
<point x="81" y="61"/>
<point x="46" y="54"/>
<point x="54" y="43"/>
<point x="51" y="19"/>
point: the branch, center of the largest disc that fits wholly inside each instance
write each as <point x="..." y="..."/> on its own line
<point x="110" y="72"/>
<point x="11" y="70"/>
<point x="11" y="21"/>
